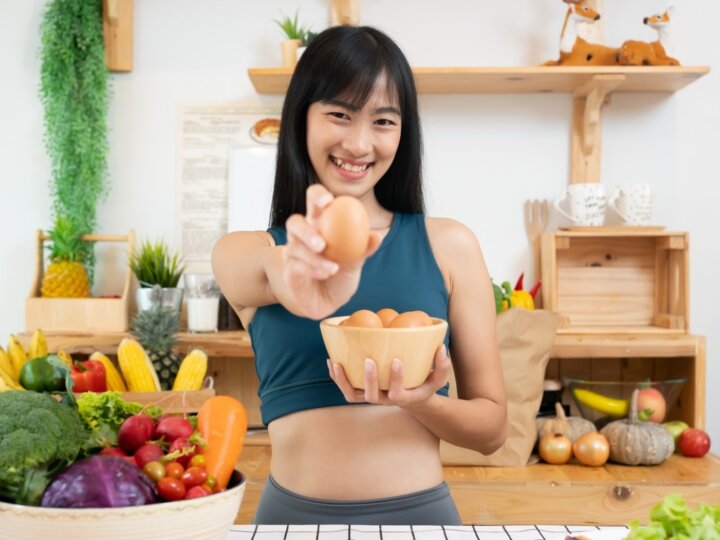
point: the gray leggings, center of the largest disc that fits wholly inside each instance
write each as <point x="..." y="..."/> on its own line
<point x="433" y="506"/>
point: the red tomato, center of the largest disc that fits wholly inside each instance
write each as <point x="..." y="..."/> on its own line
<point x="197" y="491"/>
<point x="174" y="470"/>
<point x="171" y="489"/>
<point x="194" y="476"/>
<point x="147" y="453"/>
<point x="694" y="442"/>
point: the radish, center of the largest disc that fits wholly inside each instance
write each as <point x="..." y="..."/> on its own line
<point x="134" y="432"/>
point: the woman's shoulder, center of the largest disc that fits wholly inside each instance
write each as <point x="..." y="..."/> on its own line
<point x="450" y="234"/>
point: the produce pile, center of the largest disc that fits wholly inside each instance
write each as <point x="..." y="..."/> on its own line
<point x="64" y="445"/>
<point x="139" y="371"/>
<point x="507" y="296"/>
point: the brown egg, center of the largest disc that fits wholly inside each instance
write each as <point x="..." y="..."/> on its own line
<point x="363" y="318"/>
<point x="411" y="319"/>
<point x="387" y="315"/>
<point x="345" y="226"/>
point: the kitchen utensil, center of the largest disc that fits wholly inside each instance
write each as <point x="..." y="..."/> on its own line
<point x="536" y="218"/>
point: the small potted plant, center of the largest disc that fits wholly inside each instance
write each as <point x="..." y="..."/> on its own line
<point x="295" y="34"/>
<point x="158" y="272"/>
<point x="309" y="36"/>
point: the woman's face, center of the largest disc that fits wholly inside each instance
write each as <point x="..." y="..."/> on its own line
<point x="352" y="149"/>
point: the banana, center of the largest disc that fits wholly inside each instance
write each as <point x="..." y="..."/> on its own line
<point x="7" y="382"/>
<point x="63" y="355"/>
<point x="6" y="365"/>
<point x="17" y="354"/>
<point x="603" y="404"/>
<point x="38" y="344"/>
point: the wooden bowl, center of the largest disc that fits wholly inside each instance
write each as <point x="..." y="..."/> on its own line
<point x="414" y="347"/>
<point x="204" y="518"/>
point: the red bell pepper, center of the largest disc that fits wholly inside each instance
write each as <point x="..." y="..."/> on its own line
<point x="519" y="284"/>
<point x="88" y="376"/>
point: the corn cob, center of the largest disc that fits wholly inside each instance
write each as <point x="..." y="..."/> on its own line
<point x="17" y="354"/>
<point x="136" y="367"/>
<point x="7" y="381"/>
<point x="114" y="380"/>
<point x="6" y="365"/>
<point x="63" y="355"/>
<point x="192" y="371"/>
<point x="38" y="344"/>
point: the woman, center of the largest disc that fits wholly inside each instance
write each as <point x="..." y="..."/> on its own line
<point x="350" y="126"/>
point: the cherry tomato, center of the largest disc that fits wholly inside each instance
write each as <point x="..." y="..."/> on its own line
<point x="194" y="476"/>
<point x="155" y="470"/>
<point x="171" y="489"/>
<point x="211" y="482"/>
<point x="555" y="448"/>
<point x="197" y="491"/>
<point x="174" y="470"/>
<point x="197" y="460"/>
<point x="591" y="449"/>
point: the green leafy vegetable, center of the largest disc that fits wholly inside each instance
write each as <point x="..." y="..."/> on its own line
<point x="673" y="520"/>
<point x="105" y="412"/>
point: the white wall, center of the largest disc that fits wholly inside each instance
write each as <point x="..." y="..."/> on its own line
<point x="485" y="153"/>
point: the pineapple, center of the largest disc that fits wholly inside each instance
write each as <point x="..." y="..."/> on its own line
<point x="66" y="276"/>
<point x="155" y="329"/>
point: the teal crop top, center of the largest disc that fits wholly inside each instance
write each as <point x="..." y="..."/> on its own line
<point x="290" y="356"/>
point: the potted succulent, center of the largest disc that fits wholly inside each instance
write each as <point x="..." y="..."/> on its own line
<point x="158" y="272"/>
<point x="295" y="34"/>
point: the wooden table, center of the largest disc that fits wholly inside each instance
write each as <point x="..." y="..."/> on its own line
<point x="419" y="532"/>
<point x="540" y="493"/>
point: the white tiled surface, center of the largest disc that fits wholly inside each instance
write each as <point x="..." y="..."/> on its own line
<point x="402" y="532"/>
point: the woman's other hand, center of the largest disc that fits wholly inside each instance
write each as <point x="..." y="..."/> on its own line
<point x="396" y="393"/>
<point x="317" y="285"/>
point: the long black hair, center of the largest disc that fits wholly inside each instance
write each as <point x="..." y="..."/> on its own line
<point x="346" y="62"/>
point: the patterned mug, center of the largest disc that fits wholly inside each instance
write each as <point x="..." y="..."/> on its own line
<point x="585" y="204"/>
<point x="633" y="203"/>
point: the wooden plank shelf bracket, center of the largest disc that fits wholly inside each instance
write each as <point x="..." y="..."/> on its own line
<point x="118" y="32"/>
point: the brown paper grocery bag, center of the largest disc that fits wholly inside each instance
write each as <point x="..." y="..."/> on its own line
<point x="525" y="339"/>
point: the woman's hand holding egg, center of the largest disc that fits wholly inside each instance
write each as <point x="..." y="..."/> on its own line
<point x="329" y="229"/>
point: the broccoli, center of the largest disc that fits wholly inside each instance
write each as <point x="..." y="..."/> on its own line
<point x="38" y="437"/>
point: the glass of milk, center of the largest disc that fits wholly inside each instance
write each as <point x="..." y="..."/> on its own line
<point x="203" y="300"/>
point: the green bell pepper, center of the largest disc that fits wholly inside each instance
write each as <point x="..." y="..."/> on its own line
<point x="43" y="375"/>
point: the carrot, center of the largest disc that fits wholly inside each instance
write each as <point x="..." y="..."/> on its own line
<point x="222" y="422"/>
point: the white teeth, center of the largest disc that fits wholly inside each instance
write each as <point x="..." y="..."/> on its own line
<point x="349" y="167"/>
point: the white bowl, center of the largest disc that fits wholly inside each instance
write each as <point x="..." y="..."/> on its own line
<point x="349" y="346"/>
<point x="204" y="518"/>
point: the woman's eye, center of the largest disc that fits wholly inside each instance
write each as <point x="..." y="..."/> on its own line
<point x="339" y="115"/>
<point x="385" y="122"/>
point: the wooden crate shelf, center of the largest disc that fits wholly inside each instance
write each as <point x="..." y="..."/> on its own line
<point x="615" y="281"/>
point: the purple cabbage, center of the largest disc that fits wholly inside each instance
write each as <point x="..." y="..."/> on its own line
<point x="100" y="482"/>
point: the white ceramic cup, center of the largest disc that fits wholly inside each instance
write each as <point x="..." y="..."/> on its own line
<point x="585" y="204"/>
<point x="633" y="203"/>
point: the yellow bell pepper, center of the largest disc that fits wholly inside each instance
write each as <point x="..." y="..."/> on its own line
<point x="522" y="299"/>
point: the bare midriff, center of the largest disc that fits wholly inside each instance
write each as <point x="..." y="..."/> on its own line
<point x="354" y="452"/>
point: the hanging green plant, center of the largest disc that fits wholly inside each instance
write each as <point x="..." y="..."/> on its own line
<point x="74" y="91"/>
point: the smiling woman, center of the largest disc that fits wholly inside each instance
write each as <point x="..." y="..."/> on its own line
<point x="350" y="131"/>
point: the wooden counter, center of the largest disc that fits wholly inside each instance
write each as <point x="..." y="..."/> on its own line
<point x="542" y="493"/>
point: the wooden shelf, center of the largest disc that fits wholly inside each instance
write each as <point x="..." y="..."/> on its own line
<point x="501" y="80"/>
<point x="237" y="344"/>
<point x="541" y="493"/>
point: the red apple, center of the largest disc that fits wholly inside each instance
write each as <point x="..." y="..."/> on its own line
<point x="651" y="405"/>
<point x="694" y="442"/>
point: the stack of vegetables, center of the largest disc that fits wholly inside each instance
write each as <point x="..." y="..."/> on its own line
<point x="37" y="370"/>
<point x="96" y="450"/>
